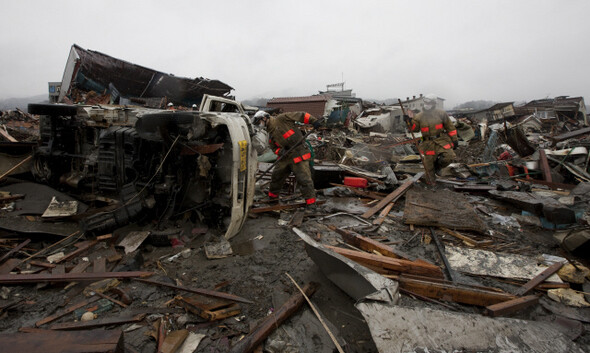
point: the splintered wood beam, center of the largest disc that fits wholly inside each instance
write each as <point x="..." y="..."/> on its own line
<point x="379" y="220"/>
<point x="466" y="239"/>
<point x="82" y="246"/>
<point x="511" y="306"/>
<point x="394" y="196"/>
<point x="272" y="321"/>
<point x="15" y="250"/>
<point x="47" y="341"/>
<point x="452" y="292"/>
<point x="544" y="164"/>
<point x="282" y="207"/>
<point x="206" y="292"/>
<point x="366" y="244"/>
<point x="530" y="285"/>
<point x="81" y="325"/>
<point x="390" y="264"/>
<point x="66" y="311"/>
<point x="69" y="277"/>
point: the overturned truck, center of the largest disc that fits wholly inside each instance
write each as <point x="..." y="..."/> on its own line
<point x="157" y="164"/>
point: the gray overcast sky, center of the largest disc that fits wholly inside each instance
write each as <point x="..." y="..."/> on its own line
<point x="461" y="50"/>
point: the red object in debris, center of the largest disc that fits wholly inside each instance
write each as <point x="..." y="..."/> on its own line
<point x="504" y="156"/>
<point x="356" y="182"/>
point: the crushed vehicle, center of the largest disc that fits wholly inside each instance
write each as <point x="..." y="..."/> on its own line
<point x="159" y="164"/>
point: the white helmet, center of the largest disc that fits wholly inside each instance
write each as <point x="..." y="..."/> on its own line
<point x="430" y="101"/>
<point x="259" y="115"/>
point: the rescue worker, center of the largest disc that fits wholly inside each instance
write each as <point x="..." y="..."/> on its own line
<point x="283" y="135"/>
<point x="439" y="137"/>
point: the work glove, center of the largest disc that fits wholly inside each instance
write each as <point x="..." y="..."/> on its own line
<point x="318" y="123"/>
<point x="455" y="144"/>
<point x="407" y="119"/>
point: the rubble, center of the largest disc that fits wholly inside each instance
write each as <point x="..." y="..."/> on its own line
<point x="153" y="226"/>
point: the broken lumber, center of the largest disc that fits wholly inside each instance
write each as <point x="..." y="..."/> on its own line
<point x="394" y="196"/>
<point x="367" y="244"/>
<point x="69" y="277"/>
<point x="206" y="292"/>
<point x="451" y="292"/>
<point x="15" y="249"/>
<point x="530" y="285"/>
<point x="209" y="309"/>
<point x="82" y="246"/>
<point x="511" y="306"/>
<point x="66" y="311"/>
<point x="379" y="220"/>
<point x="82" y="325"/>
<point x="466" y="239"/>
<point x="390" y="264"/>
<point x="282" y="207"/>
<point x="47" y="341"/>
<point x="272" y="321"/>
<point x="544" y="164"/>
<point x="317" y="314"/>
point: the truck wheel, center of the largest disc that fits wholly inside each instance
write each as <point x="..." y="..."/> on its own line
<point x="53" y="109"/>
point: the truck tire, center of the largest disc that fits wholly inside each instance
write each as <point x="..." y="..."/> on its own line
<point x="53" y="109"/>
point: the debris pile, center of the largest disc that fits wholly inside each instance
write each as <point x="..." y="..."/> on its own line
<point x="142" y="230"/>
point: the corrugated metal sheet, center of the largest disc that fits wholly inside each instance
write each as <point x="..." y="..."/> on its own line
<point x="96" y="71"/>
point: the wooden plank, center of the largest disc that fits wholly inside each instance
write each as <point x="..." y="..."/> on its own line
<point x="452" y="292"/>
<point x="81" y="267"/>
<point x="42" y="264"/>
<point x="82" y="247"/>
<point x="47" y="341"/>
<point x="379" y="220"/>
<point x="283" y="207"/>
<point x="82" y="325"/>
<point x="570" y="134"/>
<point x="66" y="311"/>
<point x="100" y="265"/>
<point x="530" y="285"/>
<point x="9" y="265"/>
<point x="206" y="292"/>
<point x="272" y="321"/>
<point x="544" y="164"/>
<point x="511" y="306"/>
<point x="551" y="185"/>
<point x="394" y="196"/>
<point x="58" y="270"/>
<point x="15" y="250"/>
<point x="388" y="263"/>
<point x="69" y="277"/>
<point x="466" y="239"/>
<point x="367" y="244"/>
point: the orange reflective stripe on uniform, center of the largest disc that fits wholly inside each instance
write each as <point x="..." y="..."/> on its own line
<point x="438" y="126"/>
<point x="288" y="134"/>
<point x="413" y="127"/>
<point x="453" y="133"/>
<point x="447" y="146"/>
<point x="306" y="118"/>
<point x="297" y="160"/>
<point x="306" y="156"/>
<point x="310" y="201"/>
<point x="277" y="151"/>
<point x="430" y="153"/>
<point x="424" y="129"/>
<point x="270" y="194"/>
